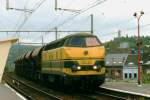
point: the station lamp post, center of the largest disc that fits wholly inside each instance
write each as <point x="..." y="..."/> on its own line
<point x="139" y="43"/>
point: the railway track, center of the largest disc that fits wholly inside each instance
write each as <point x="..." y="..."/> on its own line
<point x="30" y="92"/>
<point x="120" y="95"/>
<point x="109" y="95"/>
<point x="33" y="91"/>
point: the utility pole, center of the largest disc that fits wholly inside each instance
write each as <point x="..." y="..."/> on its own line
<point x="56" y="33"/>
<point x="7" y="4"/>
<point x="91" y="23"/>
<point x="139" y="43"/>
<point x="56" y="5"/>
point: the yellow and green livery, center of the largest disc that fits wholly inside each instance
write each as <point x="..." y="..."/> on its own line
<point x="74" y="59"/>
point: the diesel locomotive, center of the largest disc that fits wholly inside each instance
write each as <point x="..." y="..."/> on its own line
<point x="76" y="60"/>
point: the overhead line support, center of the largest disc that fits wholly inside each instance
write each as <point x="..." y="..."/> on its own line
<point x="91" y="23"/>
<point x="38" y="31"/>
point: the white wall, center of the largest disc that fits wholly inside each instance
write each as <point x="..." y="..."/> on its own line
<point x="4" y="51"/>
<point x="132" y="70"/>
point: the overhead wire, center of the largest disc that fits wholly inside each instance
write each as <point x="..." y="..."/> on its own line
<point x="91" y="3"/>
<point x="61" y="14"/>
<point x="66" y="21"/>
<point x="26" y="4"/>
<point x="85" y="22"/>
<point x="128" y="29"/>
<point x="82" y="11"/>
<point x="56" y="18"/>
<point x="24" y="21"/>
<point x="96" y="3"/>
<point x="21" y="15"/>
<point x="115" y="32"/>
<point x="34" y="9"/>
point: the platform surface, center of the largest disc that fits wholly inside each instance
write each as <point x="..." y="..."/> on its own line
<point x="132" y="88"/>
<point x="6" y="93"/>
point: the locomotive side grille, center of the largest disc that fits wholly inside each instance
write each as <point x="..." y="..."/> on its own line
<point x="88" y="67"/>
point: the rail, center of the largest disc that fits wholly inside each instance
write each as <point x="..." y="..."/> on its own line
<point x="30" y="92"/>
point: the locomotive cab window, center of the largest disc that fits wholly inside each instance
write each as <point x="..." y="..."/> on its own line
<point x="76" y="42"/>
<point x="54" y="45"/>
<point x="91" y="41"/>
<point x="83" y="42"/>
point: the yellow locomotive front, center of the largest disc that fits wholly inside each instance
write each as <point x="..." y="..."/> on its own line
<point x="79" y="58"/>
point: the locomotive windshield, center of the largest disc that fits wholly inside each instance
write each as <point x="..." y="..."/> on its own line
<point x="83" y="42"/>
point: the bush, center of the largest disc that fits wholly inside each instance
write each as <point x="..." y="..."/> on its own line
<point x="146" y="78"/>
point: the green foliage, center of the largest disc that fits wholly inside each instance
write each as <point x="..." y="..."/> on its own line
<point x="146" y="78"/>
<point x="131" y="40"/>
<point x="113" y="46"/>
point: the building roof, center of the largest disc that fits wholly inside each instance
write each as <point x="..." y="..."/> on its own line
<point x="132" y="60"/>
<point x="115" y="59"/>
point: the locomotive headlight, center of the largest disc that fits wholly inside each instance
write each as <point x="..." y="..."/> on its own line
<point x="78" y="67"/>
<point x="94" y="67"/>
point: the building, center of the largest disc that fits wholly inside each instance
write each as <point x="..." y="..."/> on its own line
<point x="114" y="65"/>
<point x="130" y="68"/>
<point x="121" y="66"/>
<point x="124" y="45"/>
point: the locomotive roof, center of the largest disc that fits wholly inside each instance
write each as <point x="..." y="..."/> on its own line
<point x="72" y="35"/>
<point x="79" y="34"/>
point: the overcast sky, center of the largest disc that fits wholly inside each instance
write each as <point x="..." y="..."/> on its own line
<point x="109" y="17"/>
